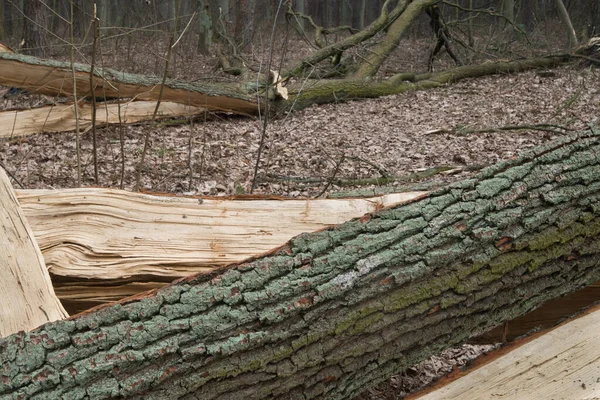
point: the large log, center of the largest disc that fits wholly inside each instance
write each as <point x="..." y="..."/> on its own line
<point x="55" y="78"/>
<point x="103" y="244"/>
<point x="336" y="311"/>
<point x="26" y="295"/>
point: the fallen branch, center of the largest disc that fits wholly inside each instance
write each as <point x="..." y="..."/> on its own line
<point x="61" y="117"/>
<point x="53" y="78"/>
<point x="534" y="127"/>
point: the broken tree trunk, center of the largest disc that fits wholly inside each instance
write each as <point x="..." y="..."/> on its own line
<point x="61" y="117"/>
<point x="560" y="364"/>
<point x="102" y="244"/>
<point x="336" y="311"/>
<point x="26" y="292"/>
<point x="335" y="90"/>
<point x="55" y="78"/>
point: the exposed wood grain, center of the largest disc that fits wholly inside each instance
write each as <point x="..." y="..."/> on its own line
<point x="61" y="117"/>
<point x="101" y="245"/>
<point x="112" y="234"/>
<point x="563" y="363"/>
<point x="26" y="295"/>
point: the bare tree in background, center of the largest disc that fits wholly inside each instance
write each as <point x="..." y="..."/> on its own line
<point x="34" y="37"/>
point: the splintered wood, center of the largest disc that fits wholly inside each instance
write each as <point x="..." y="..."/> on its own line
<point x="561" y="364"/>
<point x="61" y="117"/>
<point x="102" y="244"/>
<point x="26" y="294"/>
<point x="112" y="234"/>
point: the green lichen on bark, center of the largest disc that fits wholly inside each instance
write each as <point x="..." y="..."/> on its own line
<point x="338" y="310"/>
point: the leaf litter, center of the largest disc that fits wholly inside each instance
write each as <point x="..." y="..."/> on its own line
<point x="392" y="136"/>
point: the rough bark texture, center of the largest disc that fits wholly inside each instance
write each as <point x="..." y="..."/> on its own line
<point x="333" y="90"/>
<point x="336" y="311"/>
<point x="55" y="78"/>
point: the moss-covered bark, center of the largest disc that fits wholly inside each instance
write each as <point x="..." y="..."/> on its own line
<point x="394" y="33"/>
<point x="328" y="91"/>
<point x="385" y="18"/>
<point x="335" y="311"/>
<point x="55" y="78"/>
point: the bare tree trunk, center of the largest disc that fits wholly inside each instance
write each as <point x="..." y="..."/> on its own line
<point x="336" y="311"/>
<point x="2" y="16"/>
<point x="528" y="14"/>
<point x="244" y="22"/>
<point x="566" y="20"/>
<point x="204" y="27"/>
<point x="508" y="9"/>
<point x="34" y="35"/>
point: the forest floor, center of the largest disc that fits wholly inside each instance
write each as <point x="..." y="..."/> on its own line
<point x="338" y="147"/>
<point x="350" y="144"/>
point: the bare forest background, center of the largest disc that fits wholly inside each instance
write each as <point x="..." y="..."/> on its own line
<point x="299" y="155"/>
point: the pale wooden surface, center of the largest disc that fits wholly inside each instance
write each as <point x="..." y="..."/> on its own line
<point x="563" y="364"/>
<point x="112" y="234"/>
<point x="27" y="298"/>
<point x="61" y="117"/>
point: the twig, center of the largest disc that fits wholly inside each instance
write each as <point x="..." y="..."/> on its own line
<point x="337" y="168"/>
<point x="536" y="127"/>
<point x="493" y="14"/>
<point x="12" y="176"/>
<point x="138" y="178"/>
<point x="96" y="29"/>
<point x="266" y="113"/>
<point x="590" y="59"/>
<point x="384" y="173"/>
<point x="76" y="104"/>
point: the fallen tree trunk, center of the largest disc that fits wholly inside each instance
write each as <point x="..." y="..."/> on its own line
<point x="335" y="90"/>
<point x="102" y="244"/>
<point x="26" y="292"/>
<point x="337" y="311"/>
<point x="55" y="78"/>
<point x="61" y="117"/>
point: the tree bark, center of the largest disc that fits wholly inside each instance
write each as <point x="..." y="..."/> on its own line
<point x="334" y="312"/>
<point x="375" y="27"/>
<point x="55" y="78"/>
<point x="34" y="22"/>
<point x="394" y="33"/>
<point x="328" y="91"/>
<point x="566" y="20"/>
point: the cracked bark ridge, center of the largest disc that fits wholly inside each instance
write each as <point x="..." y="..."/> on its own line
<point x="337" y="311"/>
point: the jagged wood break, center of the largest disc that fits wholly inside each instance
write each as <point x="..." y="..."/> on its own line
<point x="337" y="311"/>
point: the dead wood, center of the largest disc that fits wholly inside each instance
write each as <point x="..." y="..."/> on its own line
<point x="542" y="366"/>
<point x="55" y="78"/>
<point x="61" y="117"/>
<point x="336" y="311"/>
<point x="26" y="292"/>
<point x="102" y="244"/>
